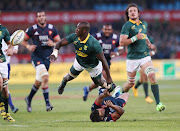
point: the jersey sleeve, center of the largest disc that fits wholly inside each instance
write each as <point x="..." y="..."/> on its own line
<point x="95" y="106"/>
<point x="71" y="38"/>
<point x="7" y="36"/>
<point x="55" y="32"/>
<point x="97" y="47"/>
<point x="125" y="30"/>
<point x="29" y="32"/>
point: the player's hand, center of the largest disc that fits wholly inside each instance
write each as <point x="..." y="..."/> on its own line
<point x="113" y="54"/>
<point x="108" y="103"/>
<point x="106" y="93"/>
<point x="9" y="51"/>
<point x="139" y="35"/>
<point x="31" y="47"/>
<point x="151" y="46"/>
<point x="52" y="58"/>
<point x="50" y="42"/>
<point x="111" y="87"/>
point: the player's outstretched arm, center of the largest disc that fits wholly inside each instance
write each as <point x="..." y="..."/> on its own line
<point x="103" y="95"/>
<point x="25" y="44"/>
<point x="101" y="57"/>
<point x="58" y="45"/>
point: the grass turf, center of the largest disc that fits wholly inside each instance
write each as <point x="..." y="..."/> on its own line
<point x="71" y="113"/>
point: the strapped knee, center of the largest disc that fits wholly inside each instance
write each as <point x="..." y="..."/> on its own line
<point x="5" y="83"/>
<point x="149" y="70"/>
<point x="131" y="80"/>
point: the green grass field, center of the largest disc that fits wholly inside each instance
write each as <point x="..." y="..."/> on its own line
<point x="72" y="113"/>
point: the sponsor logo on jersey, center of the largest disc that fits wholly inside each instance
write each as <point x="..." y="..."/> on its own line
<point x="0" y="32"/>
<point x="144" y="26"/>
<point x="113" y="42"/>
<point x="36" y="33"/>
<point x="50" y="32"/>
<point x="107" y="46"/>
<point x="79" y="53"/>
<point x="43" y="39"/>
<point x="133" y="27"/>
<point x="140" y="29"/>
<point x="38" y="63"/>
<point x="85" y="47"/>
<point x="75" y="42"/>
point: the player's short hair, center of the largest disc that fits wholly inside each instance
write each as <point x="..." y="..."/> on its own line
<point x="86" y="25"/>
<point x="107" y="24"/>
<point x="126" y="11"/>
<point x="94" y="116"/>
<point x="40" y="11"/>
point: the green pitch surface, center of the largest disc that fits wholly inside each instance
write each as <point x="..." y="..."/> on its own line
<point x="72" y="113"/>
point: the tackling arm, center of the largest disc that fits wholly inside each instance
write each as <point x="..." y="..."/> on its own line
<point x="58" y="45"/>
<point x="105" y="66"/>
<point x="100" y="98"/>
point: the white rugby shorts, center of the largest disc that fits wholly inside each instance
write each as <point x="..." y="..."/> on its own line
<point x="93" y="72"/>
<point x="134" y="65"/>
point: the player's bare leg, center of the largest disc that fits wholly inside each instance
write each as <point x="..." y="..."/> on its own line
<point x="150" y="72"/>
<point x="130" y="82"/>
<point x="2" y="108"/>
<point x="91" y="87"/>
<point x="5" y="96"/>
<point x="63" y="83"/>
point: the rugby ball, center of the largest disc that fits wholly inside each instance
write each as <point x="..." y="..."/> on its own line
<point x="17" y="37"/>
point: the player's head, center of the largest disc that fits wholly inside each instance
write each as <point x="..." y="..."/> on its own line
<point x="82" y="28"/>
<point x="107" y="29"/>
<point x="132" y="12"/>
<point x="41" y="17"/>
<point x="97" y="115"/>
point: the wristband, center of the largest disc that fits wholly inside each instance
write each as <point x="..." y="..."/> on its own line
<point x="120" y="47"/>
<point x="55" y="53"/>
<point x="153" y="52"/>
<point x="134" y="38"/>
<point x="117" y="53"/>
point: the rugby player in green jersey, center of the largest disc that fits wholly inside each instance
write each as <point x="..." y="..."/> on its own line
<point x="143" y="78"/>
<point x="89" y="56"/>
<point x="134" y="35"/>
<point x="4" y="95"/>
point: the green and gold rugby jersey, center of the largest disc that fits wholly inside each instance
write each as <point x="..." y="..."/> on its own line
<point x="138" y="49"/>
<point x="86" y="50"/>
<point x="4" y="34"/>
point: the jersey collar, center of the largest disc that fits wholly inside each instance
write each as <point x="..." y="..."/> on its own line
<point x="84" y="41"/>
<point x="134" y="22"/>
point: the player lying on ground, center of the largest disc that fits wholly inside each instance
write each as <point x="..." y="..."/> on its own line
<point x="108" y="108"/>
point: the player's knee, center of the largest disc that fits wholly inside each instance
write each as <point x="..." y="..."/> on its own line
<point x="152" y="78"/>
<point x="131" y="81"/>
<point x="45" y="78"/>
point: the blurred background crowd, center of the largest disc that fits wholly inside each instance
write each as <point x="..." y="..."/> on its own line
<point x="166" y="33"/>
